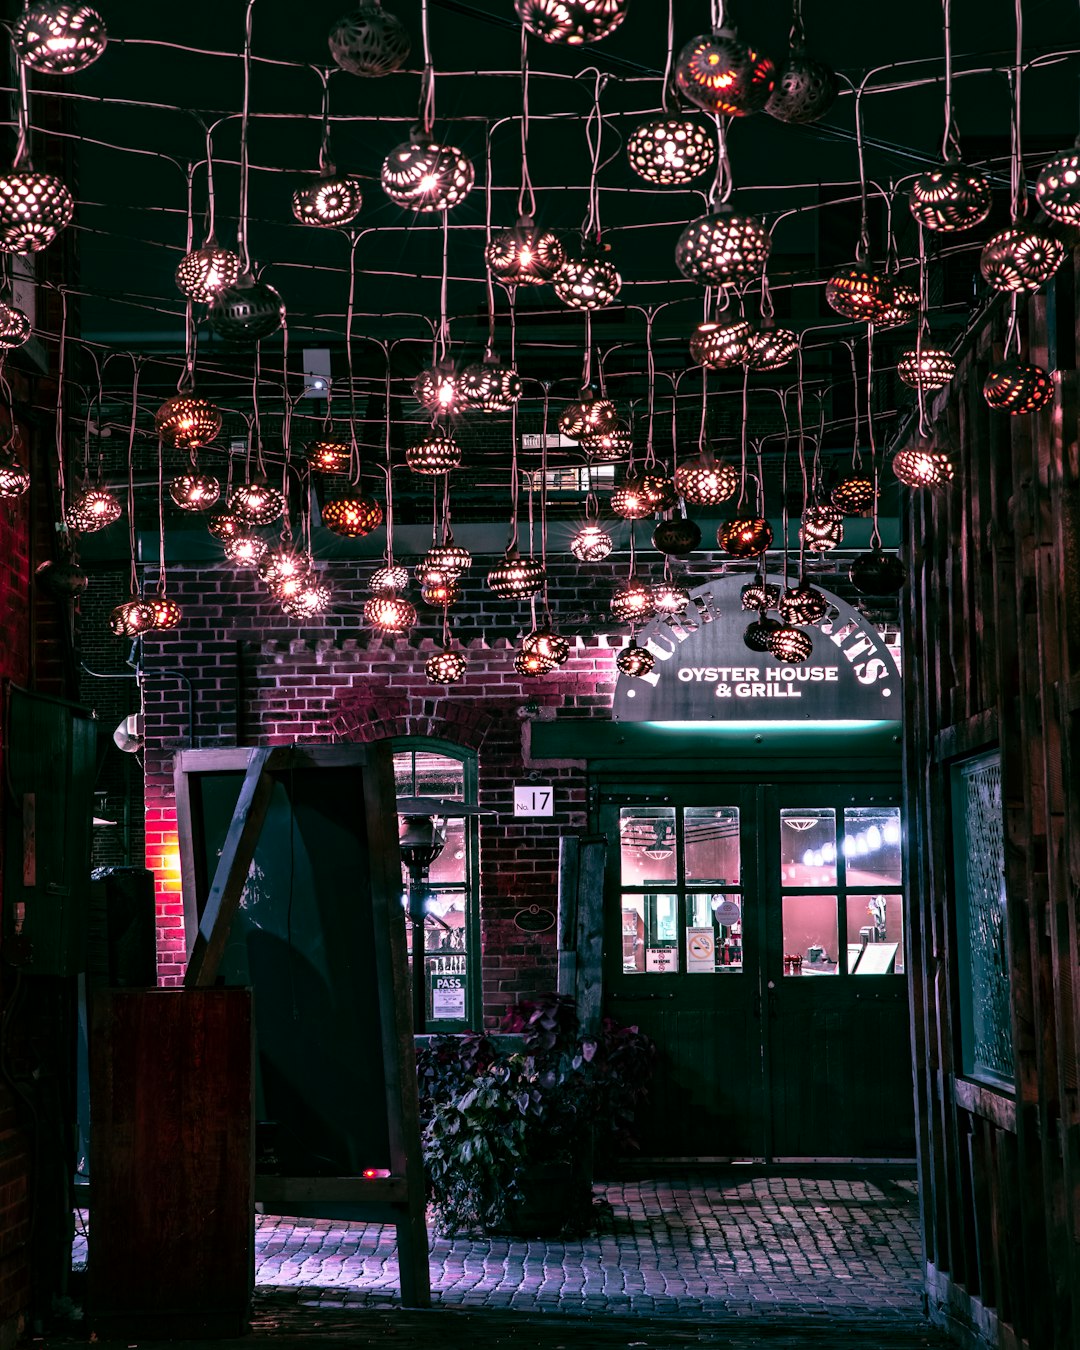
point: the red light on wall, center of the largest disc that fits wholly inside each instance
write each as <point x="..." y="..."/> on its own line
<point x="375" y="1173"/>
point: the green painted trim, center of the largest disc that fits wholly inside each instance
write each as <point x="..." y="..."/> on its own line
<point x="571" y="738"/>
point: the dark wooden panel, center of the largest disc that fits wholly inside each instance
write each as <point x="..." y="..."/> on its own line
<point x="171" y="1248"/>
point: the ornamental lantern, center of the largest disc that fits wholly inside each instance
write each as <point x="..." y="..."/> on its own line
<point x="14" y="327"/>
<point x="633" y="602"/>
<point x="802" y="604"/>
<point x="133" y="618"/>
<point x="490" y="386"/>
<point x="245" y="548"/>
<point x="950" y="197"/>
<point x="854" y="495"/>
<point x="571" y="22"/>
<point x="352" y="516"/>
<point x="437" y="389"/>
<point x="247" y="311"/>
<point x="706" y="482"/>
<point x="790" y="645"/>
<point x="589" y="282"/>
<point x="670" y="599"/>
<point x="93" y="510"/>
<point x="634" y="661"/>
<point x="859" y="293"/>
<point x="631" y="501"/>
<point x="205" y="272"/>
<point x="760" y="595"/>
<point x="659" y="490"/>
<point x="332" y="199"/>
<point x="57" y="38"/>
<point x="930" y="368"/>
<point x="758" y="635"/>
<point x="723" y="75"/>
<point x="805" y="89"/>
<point x="312" y="599"/>
<point x="771" y="348"/>
<point x="821" y="528"/>
<point x="282" y="565"/>
<point x="677" y="537"/>
<point x="1017" y="388"/>
<point x="592" y="543"/>
<point x="588" y="416"/>
<point x="369" y="41"/>
<point x="424" y="176"/>
<point x="62" y="578"/>
<point x="224" y="526"/>
<point x="901" y="305"/>
<point x="723" y="248"/>
<point x="14" y="479"/>
<point x="194" y="491"/>
<point x="919" y="466"/>
<point x="434" y="454"/>
<point x="440" y="590"/>
<point x="721" y="345"/>
<point x="609" y="447"/>
<point x="185" y="422"/>
<point x="446" y="667"/>
<point x="525" y="255"/>
<point x="745" y="536"/>
<point x="449" y="557"/>
<point x="256" y="503"/>
<point x="533" y="663"/>
<point x="515" y="577"/>
<point x="1020" y="258"/>
<point x="1057" y="188"/>
<point x="167" y="613"/>
<point x="328" y="456"/>
<point x="670" y="150"/>
<point x="877" y="573"/>
<point x="34" y="208"/>
<point x="547" y="643"/>
<point x="389" y="613"/>
<point x="385" y="580"/>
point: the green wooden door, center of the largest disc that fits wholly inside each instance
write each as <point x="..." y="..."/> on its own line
<point x="756" y="933"/>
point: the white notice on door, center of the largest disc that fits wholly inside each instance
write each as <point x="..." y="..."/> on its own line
<point x="661" y="960"/>
<point x="700" y="950"/>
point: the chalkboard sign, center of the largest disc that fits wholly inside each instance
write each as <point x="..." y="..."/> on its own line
<point x="292" y="886"/>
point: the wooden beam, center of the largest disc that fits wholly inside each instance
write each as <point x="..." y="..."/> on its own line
<point x="232" y="871"/>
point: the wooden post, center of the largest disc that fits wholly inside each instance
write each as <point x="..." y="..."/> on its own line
<point x="582" y="859"/>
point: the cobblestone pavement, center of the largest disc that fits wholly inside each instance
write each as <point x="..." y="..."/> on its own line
<point x="689" y="1246"/>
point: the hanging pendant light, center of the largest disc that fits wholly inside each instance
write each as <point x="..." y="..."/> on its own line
<point x="805" y="88"/>
<point x="723" y="248"/>
<point x="571" y="22"/>
<point x="705" y="481"/>
<point x="821" y="528"/>
<point x="1057" y="189"/>
<point x="352" y="516"/>
<point x="771" y="347"/>
<point x="247" y="311"/>
<point x="547" y="643"/>
<point x="448" y="557"/>
<point x="389" y="613"/>
<point x="185" y="422"/>
<point x="369" y="41"/>
<point x="859" y="293"/>
<point x="490" y="386"/>
<point x="677" y="537"/>
<point x="877" y="573"/>
<point x="437" y="388"/>
<point x="133" y="618"/>
<point x="670" y="150"/>
<point x="1017" y="387"/>
<point x="515" y="577"/>
<point x="631" y="500"/>
<point x="329" y="456"/>
<point x="609" y="447"/>
<point x="920" y="466"/>
<point x="854" y="495"/>
<point x="58" y="38"/>
<point x="525" y="255"/>
<point x="167" y="613"/>
<point x="194" y="491"/>
<point x="760" y="595"/>
<point x="245" y="548"/>
<point x="790" y="645"/>
<point x="589" y="281"/>
<point x="424" y="176"/>
<point x="591" y="544"/>
<point x="1020" y="258"/>
<point x="439" y="589"/>
<point x="225" y="526"/>
<point x="282" y="565"/>
<point x="588" y="416"/>
<point x="633" y="602"/>
<point x="670" y="599"/>
<point x="802" y="604"/>
<point x="901" y="305"/>
<point x="446" y="667"/>
<point x="928" y="368"/>
<point x="333" y="199"/>
<point x="62" y="578"/>
<point x="532" y="664"/>
<point x="721" y="345"/>
<point x="433" y="454"/>
<point x="34" y="208"/>
<point x="949" y="198"/>
<point x="256" y="503"/>
<point x="204" y="273"/>
<point x="634" y="661"/>
<point x="386" y="580"/>
<point x="312" y="599"/>
<point x="93" y="510"/>
<point x="745" y="536"/>
<point x="14" y="479"/>
<point x="15" y="328"/>
<point x="719" y="73"/>
<point x="758" y="635"/>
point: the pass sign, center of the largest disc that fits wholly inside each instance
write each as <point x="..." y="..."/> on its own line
<point x="447" y="997"/>
<point x="533" y="800"/>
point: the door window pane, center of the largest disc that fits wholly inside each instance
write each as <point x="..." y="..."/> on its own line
<point x="647" y="844"/>
<point x="448" y="869"/>
<point x="808" y="847"/>
<point x="810" y="935"/>
<point x="875" y="933"/>
<point x="872" y="845"/>
<point x="650" y="935"/>
<point x="713" y="934"/>
<point x="711" y="844"/>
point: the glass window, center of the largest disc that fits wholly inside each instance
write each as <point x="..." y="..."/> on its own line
<point x="647" y="845"/>
<point x="810" y="935"/>
<point x="875" y="933"/>
<point x="711" y="845"/>
<point x="872" y="845"/>
<point x="808" y="847"/>
<point x="713" y="934"/>
<point x="451" y="945"/>
<point x="650" y="934"/>
<point x="982" y="931"/>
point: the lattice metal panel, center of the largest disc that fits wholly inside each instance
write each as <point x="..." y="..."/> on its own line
<point x="982" y="839"/>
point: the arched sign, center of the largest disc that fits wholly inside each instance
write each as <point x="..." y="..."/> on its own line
<point x="704" y="672"/>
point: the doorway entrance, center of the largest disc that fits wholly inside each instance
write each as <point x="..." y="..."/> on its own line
<point x="756" y="933"/>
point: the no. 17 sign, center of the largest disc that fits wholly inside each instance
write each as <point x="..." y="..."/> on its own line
<point x="533" y="800"/>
